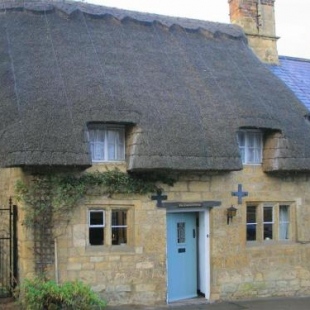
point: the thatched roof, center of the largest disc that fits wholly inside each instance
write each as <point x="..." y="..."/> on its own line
<point x="185" y="87"/>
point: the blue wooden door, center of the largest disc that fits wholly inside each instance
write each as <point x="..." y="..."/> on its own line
<point x="181" y="256"/>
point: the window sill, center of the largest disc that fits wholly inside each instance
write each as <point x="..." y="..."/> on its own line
<point x="247" y="164"/>
<point x="103" y="165"/>
<point x="266" y="243"/>
<point x="110" y="249"/>
<point x="108" y="161"/>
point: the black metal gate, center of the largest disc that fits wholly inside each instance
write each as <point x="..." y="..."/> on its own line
<point x="8" y="249"/>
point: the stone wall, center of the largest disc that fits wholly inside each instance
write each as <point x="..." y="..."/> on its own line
<point x="242" y="269"/>
<point x="136" y="272"/>
<point x="132" y="273"/>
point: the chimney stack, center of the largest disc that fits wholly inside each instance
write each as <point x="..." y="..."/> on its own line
<point x="257" y="18"/>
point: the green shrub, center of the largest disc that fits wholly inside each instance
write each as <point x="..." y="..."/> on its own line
<point x="39" y="294"/>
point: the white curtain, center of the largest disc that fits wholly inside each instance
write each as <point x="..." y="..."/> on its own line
<point x="107" y="144"/>
<point x="254" y="147"/>
<point x="284" y="222"/>
<point x="96" y="137"/>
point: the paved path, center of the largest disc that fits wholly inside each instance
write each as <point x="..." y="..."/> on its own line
<point x="300" y="303"/>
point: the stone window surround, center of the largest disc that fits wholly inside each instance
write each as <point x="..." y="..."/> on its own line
<point x="108" y="247"/>
<point x="259" y="220"/>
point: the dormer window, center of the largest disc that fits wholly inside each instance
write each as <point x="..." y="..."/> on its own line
<point x="250" y="146"/>
<point x="107" y="142"/>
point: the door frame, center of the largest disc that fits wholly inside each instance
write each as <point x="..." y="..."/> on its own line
<point x="203" y="250"/>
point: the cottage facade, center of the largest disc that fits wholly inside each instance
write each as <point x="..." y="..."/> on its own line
<point x="86" y="88"/>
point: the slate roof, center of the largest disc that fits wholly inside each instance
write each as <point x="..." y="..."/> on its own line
<point x="295" y="73"/>
<point x="182" y="87"/>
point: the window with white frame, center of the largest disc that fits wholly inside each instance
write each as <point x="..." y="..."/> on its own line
<point x="251" y="223"/>
<point x="268" y="221"/>
<point x="119" y="227"/>
<point x="96" y="224"/>
<point x="107" y="142"/>
<point x="250" y="146"/>
<point x="107" y="227"/>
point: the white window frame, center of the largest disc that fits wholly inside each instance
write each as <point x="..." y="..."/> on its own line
<point x="118" y="146"/>
<point x="90" y="226"/>
<point x="252" y="223"/>
<point x="246" y="149"/>
<point x="103" y="218"/>
<point x="108" y="225"/>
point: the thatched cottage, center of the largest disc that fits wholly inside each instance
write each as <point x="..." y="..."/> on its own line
<point x="86" y="88"/>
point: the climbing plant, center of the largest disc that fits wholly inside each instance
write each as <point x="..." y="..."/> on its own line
<point x="60" y="192"/>
<point x="49" y="200"/>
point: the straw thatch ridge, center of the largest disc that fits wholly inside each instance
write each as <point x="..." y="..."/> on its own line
<point x="182" y="88"/>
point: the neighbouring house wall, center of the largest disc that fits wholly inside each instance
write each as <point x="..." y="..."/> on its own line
<point x="8" y="178"/>
<point x="136" y="272"/>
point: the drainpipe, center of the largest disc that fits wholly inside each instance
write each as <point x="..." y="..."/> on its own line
<point x="56" y="261"/>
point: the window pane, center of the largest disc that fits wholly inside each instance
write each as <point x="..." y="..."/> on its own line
<point x="242" y="153"/>
<point x="119" y="235"/>
<point x="119" y="218"/>
<point x="251" y="232"/>
<point x="268" y="222"/>
<point x="251" y="214"/>
<point x="251" y="223"/>
<point x="250" y="139"/>
<point x="96" y="138"/>
<point x="112" y="137"/>
<point x="241" y="138"/>
<point x="97" y="149"/>
<point x="257" y="156"/>
<point x="284" y="222"/>
<point x="268" y="214"/>
<point x="267" y="231"/>
<point x="121" y="146"/>
<point x="96" y="227"/>
<point x="96" y="218"/>
<point x="96" y="236"/>
<point x="250" y="147"/>
<point x="257" y="139"/>
<point x="119" y="227"/>
<point x="251" y="156"/>
<point x="181" y="232"/>
<point x="284" y="215"/>
<point x="107" y="143"/>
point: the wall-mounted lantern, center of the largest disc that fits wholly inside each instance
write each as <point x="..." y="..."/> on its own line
<point x="231" y="212"/>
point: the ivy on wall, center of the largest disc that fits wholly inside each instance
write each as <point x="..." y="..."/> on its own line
<point x="49" y="200"/>
<point x="60" y="192"/>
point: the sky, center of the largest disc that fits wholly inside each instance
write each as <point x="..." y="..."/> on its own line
<point x="292" y="17"/>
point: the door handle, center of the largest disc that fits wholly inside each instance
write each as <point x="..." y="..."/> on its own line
<point x="194" y="233"/>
